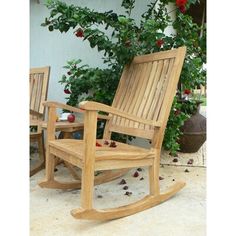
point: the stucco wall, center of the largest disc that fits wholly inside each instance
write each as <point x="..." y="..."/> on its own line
<point x="54" y="48"/>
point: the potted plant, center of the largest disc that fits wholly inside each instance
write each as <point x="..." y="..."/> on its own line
<point x="194" y="128"/>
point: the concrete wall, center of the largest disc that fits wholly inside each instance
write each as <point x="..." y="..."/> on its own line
<point x="54" y="48"/>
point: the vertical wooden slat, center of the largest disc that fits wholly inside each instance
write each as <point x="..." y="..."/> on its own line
<point x="34" y="90"/>
<point x="44" y="88"/>
<point x="140" y="93"/>
<point x="156" y="75"/>
<point x="163" y="90"/>
<point x="123" y="88"/>
<point x="123" y="85"/>
<point x="129" y="105"/>
<point x="31" y="82"/>
<point x="38" y="92"/>
<point x="129" y="92"/>
<point x="142" y="112"/>
<point x="157" y="90"/>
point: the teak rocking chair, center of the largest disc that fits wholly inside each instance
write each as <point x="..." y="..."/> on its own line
<point x="38" y="81"/>
<point x="140" y="108"/>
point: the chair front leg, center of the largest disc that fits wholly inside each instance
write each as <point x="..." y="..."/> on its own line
<point x="50" y="165"/>
<point x="90" y="130"/>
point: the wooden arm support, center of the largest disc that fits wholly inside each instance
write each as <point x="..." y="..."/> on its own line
<point x="95" y="106"/>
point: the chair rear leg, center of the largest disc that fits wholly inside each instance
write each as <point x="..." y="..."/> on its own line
<point x="41" y="152"/>
<point x="154" y="170"/>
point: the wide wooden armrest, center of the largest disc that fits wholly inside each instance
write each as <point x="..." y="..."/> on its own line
<point x="36" y="113"/>
<point x="61" y="105"/>
<point x="95" y="106"/>
<point x="70" y="108"/>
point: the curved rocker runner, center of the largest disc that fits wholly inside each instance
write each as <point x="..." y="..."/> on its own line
<point x="104" y="177"/>
<point x="140" y="108"/>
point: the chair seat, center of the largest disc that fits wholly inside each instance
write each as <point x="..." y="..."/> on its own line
<point x="122" y="151"/>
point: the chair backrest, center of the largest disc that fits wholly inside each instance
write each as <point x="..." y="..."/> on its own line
<point x="147" y="88"/>
<point x="38" y="81"/>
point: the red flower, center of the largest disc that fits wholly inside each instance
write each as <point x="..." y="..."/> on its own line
<point x="136" y="174"/>
<point x="79" y="33"/>
<point x="177" y="112"/>
<point x="159" y="42"/>
<point x="67" y="91"/>
<point x="127" y="43"/>
<point x="187" y="91"/>
<point x="180" y="3"/>
<point x="182" y="8"/>
<point x="98" y="144"/>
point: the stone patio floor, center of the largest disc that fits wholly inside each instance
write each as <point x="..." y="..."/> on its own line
<point x="184" y="214"/>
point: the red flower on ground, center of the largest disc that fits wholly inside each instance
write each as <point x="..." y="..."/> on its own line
<point x="180" y="3"/>
<point x="98" y="144"/>
<point x="159" y="42"/>
<point x="67" y="91"/>
<point x="187" y="91"/>
<point x="79" y="33"/>
<point x="182" y="9"/>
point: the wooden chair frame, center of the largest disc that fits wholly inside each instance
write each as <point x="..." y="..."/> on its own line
<point x="130" y="117"/>
<point x="39" y="78"/>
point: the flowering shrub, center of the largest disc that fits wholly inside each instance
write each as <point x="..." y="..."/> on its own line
<point x="126" y="40"/>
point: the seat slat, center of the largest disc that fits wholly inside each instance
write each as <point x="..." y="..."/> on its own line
<point x="122" y="151"/>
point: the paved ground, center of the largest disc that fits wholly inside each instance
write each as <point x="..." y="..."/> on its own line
<point x="184" y="214"/>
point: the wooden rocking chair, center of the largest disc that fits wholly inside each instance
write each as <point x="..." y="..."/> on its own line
<point x="38" y="82"/>
<point x="140" y="108"/>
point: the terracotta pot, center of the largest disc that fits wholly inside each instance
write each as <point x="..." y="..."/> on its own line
<point x="194" y="133"/>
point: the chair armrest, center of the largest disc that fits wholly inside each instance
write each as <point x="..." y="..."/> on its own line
<point x="61" y="105"/>
<point x="70" y="108"/>
<point x="95" y="106"/>
<point x="36" y="113"/>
